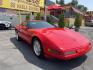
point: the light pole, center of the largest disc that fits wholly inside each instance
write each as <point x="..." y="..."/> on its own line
<point x="45" y="10"/>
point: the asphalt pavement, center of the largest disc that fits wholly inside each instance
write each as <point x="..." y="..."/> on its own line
<point x="16" y="55"/>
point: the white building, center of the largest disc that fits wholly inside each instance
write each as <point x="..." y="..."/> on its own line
<point x="12" y="16"/>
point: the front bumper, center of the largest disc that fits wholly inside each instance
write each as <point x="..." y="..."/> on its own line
<point x="80" y="52"/>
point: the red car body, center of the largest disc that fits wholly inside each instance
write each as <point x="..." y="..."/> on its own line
<point x="60" y="43"/>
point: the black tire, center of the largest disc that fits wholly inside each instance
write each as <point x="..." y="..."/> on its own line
<point x="41" y="55"/>
<point x="2" y="26"/>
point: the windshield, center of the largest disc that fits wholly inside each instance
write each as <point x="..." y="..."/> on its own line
<point x="39" y="24"/>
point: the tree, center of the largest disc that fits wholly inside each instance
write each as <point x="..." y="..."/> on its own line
<point x="61" y="2"/>
<point x="27" y="17"/>
<point x="57" y="2"/>
<point x="38" y="17"/>
<point x="74" y="3"/>
<point x="82" y="8"/>
<point x="61" y="22"/>
<point x="85" y="9"/>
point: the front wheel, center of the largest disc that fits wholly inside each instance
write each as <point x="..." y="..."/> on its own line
<point x="37" y="48"/>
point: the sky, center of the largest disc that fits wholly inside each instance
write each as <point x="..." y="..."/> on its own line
<point x="87" y="3"/>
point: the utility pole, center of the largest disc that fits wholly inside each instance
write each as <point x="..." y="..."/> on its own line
<point x="19" y="13"/>
<point x="45" y="10"/>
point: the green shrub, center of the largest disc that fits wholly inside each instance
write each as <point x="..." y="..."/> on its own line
<point x="38" y="16"/>
<point x="78" y="20"/>
<point x="49" y="19"/>
<point x="28" y="17"/>
<point x="61" y="22"/>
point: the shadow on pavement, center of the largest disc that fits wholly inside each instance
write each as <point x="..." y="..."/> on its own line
<point x="46" y="64"/>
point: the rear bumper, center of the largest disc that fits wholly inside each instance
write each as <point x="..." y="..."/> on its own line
<point x="68" y="57"/>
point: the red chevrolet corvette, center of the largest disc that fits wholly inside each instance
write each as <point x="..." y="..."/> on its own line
<point x="49" y="41"/>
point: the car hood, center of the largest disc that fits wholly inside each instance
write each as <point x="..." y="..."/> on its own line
<point x="5" y="22"/>
<point x="65" y="38"/>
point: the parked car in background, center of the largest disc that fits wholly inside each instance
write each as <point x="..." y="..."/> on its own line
<point x="5" y="25"/>
<point x="89" y="23"/>
<point x="48" y="41"/>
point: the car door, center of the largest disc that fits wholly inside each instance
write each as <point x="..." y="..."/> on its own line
<point x="26" y="33"/>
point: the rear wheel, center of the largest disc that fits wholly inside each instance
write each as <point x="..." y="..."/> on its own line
<point x="37" y="48"/>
